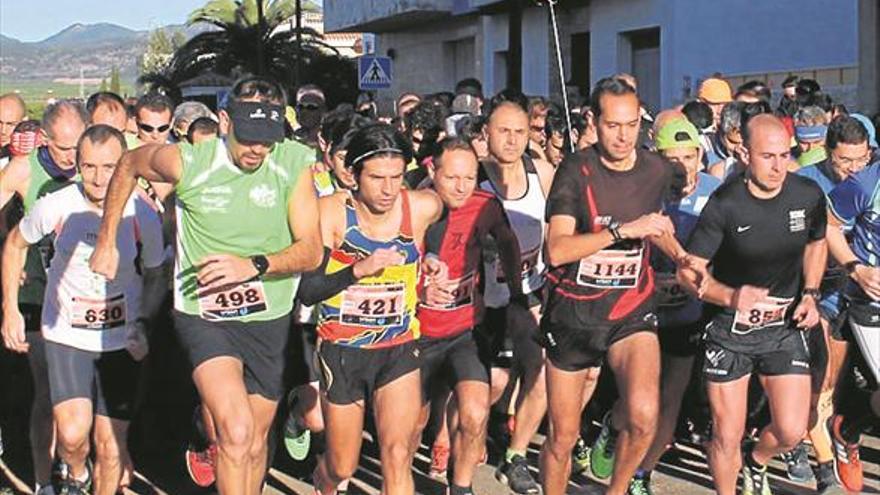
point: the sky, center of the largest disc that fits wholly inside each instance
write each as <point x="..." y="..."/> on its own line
<point x="27" y="20"/>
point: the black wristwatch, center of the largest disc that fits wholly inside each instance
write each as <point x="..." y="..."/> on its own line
<point x="614" y="228"/>
<point x="850" y="266"/>
<point x="812" y="292"/>
<point x="261" y="263"/>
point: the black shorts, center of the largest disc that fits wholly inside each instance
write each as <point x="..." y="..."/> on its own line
<point x="571" y="349"/>
<point x="109" y="379"/>
<point x="681" y="341"/>
<point x="511" y="334"/>
<point x="32" y="315"/>
<point x="259" y="345"/>
<point x="352" y="374"/>
<point x="451" y="360"/>
<point x="786" y="353"/>
<point x="301" y="367"/>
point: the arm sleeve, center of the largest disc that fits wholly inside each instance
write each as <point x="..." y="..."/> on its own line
<point x="150" y="225"/>
<point x="40" y="221"/>
<point x="317" y="286"/>
<point x="566" y="193"/>
<point x="709" y="232"/>
<point x="849" y="199"/>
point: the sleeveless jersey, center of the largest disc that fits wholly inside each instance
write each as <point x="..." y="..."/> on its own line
<point x="378" y="311"/>
<point x="222" y="209"/>
<point x="40" y="253"/>
<point x="526" y="217"/>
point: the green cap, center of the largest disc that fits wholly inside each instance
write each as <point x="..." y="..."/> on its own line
<point x="678" y="133"/>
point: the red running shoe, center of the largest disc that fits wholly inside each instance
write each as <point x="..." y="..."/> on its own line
<point x="200" y="465"/>
<point x="847" y="465"/>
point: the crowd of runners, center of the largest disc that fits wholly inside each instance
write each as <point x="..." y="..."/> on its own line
<point x="467" y="272"/>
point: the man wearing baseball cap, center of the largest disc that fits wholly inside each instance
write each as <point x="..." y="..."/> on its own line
<point x="678" y="312"/>
<point x="715" y="92"/>
<point x="247" y="227"/>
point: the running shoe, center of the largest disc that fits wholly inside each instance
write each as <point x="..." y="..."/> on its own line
<point x="515" y="474"/>
<point x="826" y="483"/>
<point x="297" y="440"/>
<point x="580" y="456"/>
<point x="755" y="481"/>
<point x="602" y="452"/>
<point x="63" y="482"/>
<point x="797" y="464"/>
<point x="439" y="461"/>
<point x="847" y="465"/>
<point x="639" y="486"/>
<point x="200" y="465"/>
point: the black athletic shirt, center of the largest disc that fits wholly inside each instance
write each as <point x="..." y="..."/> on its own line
<point x="617" y="282"/>
<point x="759" y="242"/>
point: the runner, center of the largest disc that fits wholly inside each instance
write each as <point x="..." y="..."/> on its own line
<point x="848" y="153"/>
<point x="451" y="354"/>
<point x="852" y="203"/>
<point x="94" y="332"/>
<point x="520" y="183"/>
<point x="679" y="315"/>
<point x="764" y="233"/>
<point x="12" y="111"/>
<point x="234" y="280"/>
<point x="601" y="281"/>
<point x="32" y="176"/>
<point x="367" y="323"/>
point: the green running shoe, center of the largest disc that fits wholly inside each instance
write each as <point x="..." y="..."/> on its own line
<point x="602" y="452"/>
<point x="580" y="456"/>
<point x="639" y="486"/>
<point x="297" y="440"/>
<point x="754" y="481"/>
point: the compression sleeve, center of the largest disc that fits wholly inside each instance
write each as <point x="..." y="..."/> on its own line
<point x="317" y="285"/>
<point x="709" y="232"/>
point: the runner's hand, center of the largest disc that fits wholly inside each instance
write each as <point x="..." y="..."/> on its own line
<point x="218" y="270"/>
<point x="374" y="264"/>
<point x="136" y="343"/>
<point x="434" y="269"/>
<point x="693" y="274"/>
<point x="868" y="278"/>
<point x="105" y="260"/>
<point x="806" y="314"/>
<point x="13" y="331"/>
<point x="437" y="294"/>
<point x="746" y="296"/>
<point x="650" y="225"/>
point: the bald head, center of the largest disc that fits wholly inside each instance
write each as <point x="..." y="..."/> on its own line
<point x="763" y="126"/>
<point x="12" y="111"/>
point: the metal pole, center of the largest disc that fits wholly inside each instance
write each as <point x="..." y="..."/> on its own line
<point x="261" y="28"/>
<point x="552" y="5"/>
<point x="298" y="65"/>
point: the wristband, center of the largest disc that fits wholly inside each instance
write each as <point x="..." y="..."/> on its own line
<point x="851" y="266"/>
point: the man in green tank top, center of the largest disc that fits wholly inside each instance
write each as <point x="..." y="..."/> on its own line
<point x="30" y="177"/>
<point x="247" y="223"/>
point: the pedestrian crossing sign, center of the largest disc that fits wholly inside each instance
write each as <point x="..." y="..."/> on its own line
<point x="374" y="73"/>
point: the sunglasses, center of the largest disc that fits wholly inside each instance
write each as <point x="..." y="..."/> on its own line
<point x="149" y="128"/>
<point x="308" y="106"/>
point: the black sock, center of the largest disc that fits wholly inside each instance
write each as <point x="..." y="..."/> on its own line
<point x="460" y="490"/>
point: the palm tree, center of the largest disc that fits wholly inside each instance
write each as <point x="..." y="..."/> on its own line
<point x="231" y="45"/>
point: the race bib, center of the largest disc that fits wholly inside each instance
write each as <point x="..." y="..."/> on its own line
<point x="764" y="314"/>
<point x="611" y="269"/>
<point x="373" y="305"/>
<point x="97" y="314"/>
<point x="529" y="266"/>
<point x="235" y="302"/>
<point x="463" y="292"/>
<point x="669" y="292"/>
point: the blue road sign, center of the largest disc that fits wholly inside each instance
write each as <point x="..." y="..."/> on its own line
<point x="374" y="72"/>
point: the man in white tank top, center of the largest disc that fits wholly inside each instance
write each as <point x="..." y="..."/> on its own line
<point x="520" y="183"/>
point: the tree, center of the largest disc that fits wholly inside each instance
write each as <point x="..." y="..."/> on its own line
<point x="103" y="87"/>
<point x="229" y="49"/>
<point x="160" y="49"/>
<point x="114" y="81"/>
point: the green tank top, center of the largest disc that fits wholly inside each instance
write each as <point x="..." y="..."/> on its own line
<point x="222" y="209"/>
<point x="38" y="255"/>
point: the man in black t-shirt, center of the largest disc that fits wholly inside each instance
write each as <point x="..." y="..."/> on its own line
<point x="763" y="232"/>
<point x="603" y="207"/>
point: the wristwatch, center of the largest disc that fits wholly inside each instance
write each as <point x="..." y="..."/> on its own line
<point x="812" y="292"/>
<point x="850" y="266"/>
<point x="261" y="263"/>
<point x="614" y="228"/>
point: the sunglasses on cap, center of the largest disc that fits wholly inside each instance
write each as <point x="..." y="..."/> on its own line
<point x="149" y="128"/>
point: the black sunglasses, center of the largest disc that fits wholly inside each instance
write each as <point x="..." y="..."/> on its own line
<point x="149" y="128"/>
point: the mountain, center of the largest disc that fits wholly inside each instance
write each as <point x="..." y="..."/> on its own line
<point x="88" y="34"/>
